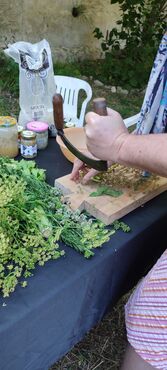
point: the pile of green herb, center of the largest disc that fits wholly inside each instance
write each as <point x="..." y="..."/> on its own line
<point x="120" y="177"/>
<point x="32" y="221"/>
<point x="106" y="190"/>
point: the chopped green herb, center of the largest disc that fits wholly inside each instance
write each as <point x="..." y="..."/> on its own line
<point x="106" y="190"/>
<point x="117" y="225"/>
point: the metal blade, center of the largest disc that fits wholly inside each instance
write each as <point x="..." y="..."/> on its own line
<point x="93" y="163"/>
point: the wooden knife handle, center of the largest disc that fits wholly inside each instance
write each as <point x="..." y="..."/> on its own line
<point x="100" y="106"/>
<point x="58" y="111"/>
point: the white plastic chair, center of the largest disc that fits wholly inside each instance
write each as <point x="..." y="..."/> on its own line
<point x="69" y="88"/>
<point x="130" y="121"/>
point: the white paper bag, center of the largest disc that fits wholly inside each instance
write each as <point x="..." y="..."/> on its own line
<point x="36" y="81"/>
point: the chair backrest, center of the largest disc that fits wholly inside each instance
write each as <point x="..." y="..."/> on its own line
<point x="69" y="88"/>
<point x="131" y="121"/>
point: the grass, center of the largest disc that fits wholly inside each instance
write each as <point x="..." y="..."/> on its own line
<point x="126" y="105"/>
<point x="103" y="347"/>
<point x="9" y="105"/>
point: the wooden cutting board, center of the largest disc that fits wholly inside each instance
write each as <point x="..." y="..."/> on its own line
<point x="107" y="208"/>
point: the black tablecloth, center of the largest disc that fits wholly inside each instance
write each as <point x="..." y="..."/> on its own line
<point x="67" y="297"/>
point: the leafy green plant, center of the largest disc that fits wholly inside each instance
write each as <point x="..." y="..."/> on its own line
<point x="67" y="69"/>
<point x="9" y="74"/>
<point x="130" y="48"/>
<point x="33" y="220"/>
<point x="120" y="225"/>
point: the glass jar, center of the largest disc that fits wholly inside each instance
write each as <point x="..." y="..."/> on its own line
<point x="28" y="145"/>
<point x="41" y="130"/>
<point x="8" y="137"/>
<point x="20" y="129"/>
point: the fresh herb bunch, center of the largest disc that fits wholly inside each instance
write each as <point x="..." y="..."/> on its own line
<point x="120" y="225"/>
<point x="32" y="221"/>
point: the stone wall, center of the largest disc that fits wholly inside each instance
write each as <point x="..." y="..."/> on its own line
<point x="70" y="37"/>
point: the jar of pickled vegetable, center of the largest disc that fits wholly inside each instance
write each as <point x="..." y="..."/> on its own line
<point x="28" y="145"/>
<point x="8" y="137"/>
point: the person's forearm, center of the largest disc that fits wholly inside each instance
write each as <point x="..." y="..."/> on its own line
<point x="148" y="152"/>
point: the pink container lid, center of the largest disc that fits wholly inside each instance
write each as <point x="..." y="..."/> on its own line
<point x="37" y="126"/>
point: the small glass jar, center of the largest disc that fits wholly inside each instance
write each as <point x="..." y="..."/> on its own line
<point x="28" y="145"/>
<point x="8" y="137"/>
<point x="41" y="130"/>
<point x="20" y="129"/>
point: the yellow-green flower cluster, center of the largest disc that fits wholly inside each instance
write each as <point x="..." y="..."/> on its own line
<point x="33" y="220"/>
<point x="4" y="242"/>
<point x="10" y="188"/>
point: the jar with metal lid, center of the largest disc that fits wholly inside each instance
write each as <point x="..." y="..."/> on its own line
<point x="41" y="130"/>
<point x="28" y="145"/>
<point x="8" y="137"/>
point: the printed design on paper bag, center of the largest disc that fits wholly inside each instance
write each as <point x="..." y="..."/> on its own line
<point x="36" y="70"/>
<point x="36" y="80"/>
<point x="39" y="65"/>
<point x="38" y="111"/>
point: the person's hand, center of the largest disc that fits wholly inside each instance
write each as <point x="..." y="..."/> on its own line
<point x="79" y="167"/>
<point x="87" y="173"/>
<point x="105" y="134"/>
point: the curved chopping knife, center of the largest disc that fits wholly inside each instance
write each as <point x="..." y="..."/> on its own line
<point x="100" y="108"/>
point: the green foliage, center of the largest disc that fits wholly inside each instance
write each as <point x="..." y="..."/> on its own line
<point x="130" y="48"/>
<point x="9" y="74"/>
<point x="120" y="225"/>
<point x="33" y="220"/>
<point x="67" y="69"/>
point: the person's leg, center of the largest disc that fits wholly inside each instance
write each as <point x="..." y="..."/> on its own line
<point x="132" y="361"/>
